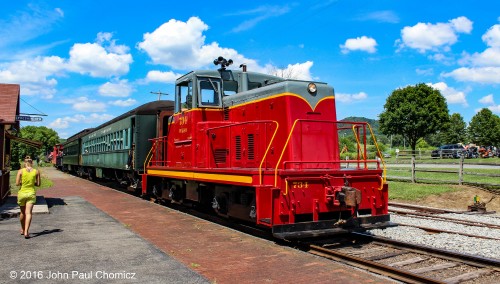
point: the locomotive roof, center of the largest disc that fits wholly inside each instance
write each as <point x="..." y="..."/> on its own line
<point x="233" y="75"/>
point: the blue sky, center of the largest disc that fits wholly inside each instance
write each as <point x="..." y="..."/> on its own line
<point x="85" y="62"/>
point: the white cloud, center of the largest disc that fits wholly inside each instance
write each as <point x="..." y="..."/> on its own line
<point x="34" y="75"/>
<point x="451" y="95"/>
<point x="461" y="25"/>
<point x="492" y="36"/>
<point x="101" y="59"/>
<point x="349" y="98"/>
<point x="487" y="100"/>
<point x="385" y="16"/>
<point x="116" y="88"/>
<point x="490" y="102"/>
<point x="363" y="43"/>
<point x="124" y="103"/>
<point x="486" y="75"/>
<point x="495" y="108"/>
<point x="37" y="75"/>
<point x="162" y="77"/>
<point x="84" y="104"/>
<point x="181" y="45"/>
<point x="440" y="36"/>
<point x="491" y="55"/>
<point x="93" y="118"/>
<point x="26" y="25"/>
<point x="482" y="67"/>
<point x="425" y="72"/>
<point x="261" y="13"/>
<point x="298" y="71"/>
<point x="59" y="123"/>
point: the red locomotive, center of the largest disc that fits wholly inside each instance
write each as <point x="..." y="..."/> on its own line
<point x="55" y="157"/>
<point x="265" y="149"/>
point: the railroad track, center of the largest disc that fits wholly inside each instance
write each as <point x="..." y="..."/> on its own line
<point x="401" y="261"/>
<point x="406" y="262"/>
<point x="435" y="214"/>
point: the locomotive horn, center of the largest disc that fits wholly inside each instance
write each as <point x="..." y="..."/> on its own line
<point x="223" y="62"/>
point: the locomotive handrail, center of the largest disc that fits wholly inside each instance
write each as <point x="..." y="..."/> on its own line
<point x="268" y="146"/>
<point x="323" y="121"/>
<point x="150" y="155"/>
<point x="384" y="169"/>
<point x="379" y="154"/>
<point x="267" y="150"/>
<point x="358" y="143"/>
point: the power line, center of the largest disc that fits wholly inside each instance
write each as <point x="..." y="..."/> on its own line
<point x="42" y="113"/>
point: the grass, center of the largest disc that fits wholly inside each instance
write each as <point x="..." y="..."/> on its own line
<point x="416" y="191"/>
<point x="46" y="183"/>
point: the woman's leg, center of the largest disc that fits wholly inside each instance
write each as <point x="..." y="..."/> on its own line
<point x="27" y="221"/>
<point x="22" y="217"/>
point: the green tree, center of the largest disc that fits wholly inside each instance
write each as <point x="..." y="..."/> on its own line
<point x="455" y="131"/>
<point x="47" y="136"/>
<point x="484" y="128"/>
<point x="414" y="112"/>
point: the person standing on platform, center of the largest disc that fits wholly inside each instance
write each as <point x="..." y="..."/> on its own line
<point x="27" y="178"/>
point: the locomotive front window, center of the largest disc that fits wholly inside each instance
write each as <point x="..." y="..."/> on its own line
<point x="209" y="92"/>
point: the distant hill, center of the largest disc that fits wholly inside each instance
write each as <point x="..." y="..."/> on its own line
<point x="373" y="123"/>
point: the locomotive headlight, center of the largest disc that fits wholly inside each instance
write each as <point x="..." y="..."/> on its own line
<point x="312" y="88"/>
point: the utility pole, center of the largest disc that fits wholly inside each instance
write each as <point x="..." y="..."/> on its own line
<point x="159" y="93"/>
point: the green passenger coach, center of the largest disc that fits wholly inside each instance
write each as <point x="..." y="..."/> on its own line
<point x="117" y="149"/>
<point x="72" y="151"/>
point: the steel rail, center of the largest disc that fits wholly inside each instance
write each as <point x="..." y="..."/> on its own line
<point x="433" y="230"/>
<point x="452" y="220"/>
<point x="469" y="259"/>
<point x="379" y="268"/>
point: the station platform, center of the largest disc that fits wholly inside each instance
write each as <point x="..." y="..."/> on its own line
<point x="10" y="208"/>
<point x="92" y="228"/>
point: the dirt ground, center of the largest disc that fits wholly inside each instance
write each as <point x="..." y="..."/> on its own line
<point x="459" y="199"/>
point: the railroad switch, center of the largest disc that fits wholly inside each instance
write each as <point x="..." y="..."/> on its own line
<point x="477" y="206"/>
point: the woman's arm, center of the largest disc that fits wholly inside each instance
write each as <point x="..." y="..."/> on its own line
<point x="18" y="177"/>
<point x="38" y="180"/>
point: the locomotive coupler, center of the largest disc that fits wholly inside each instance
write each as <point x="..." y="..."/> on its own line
<point x="352" y="196"/>
<point x="344" y="196"/>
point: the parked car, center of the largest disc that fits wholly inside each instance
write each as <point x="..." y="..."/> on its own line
<point x="449" y="151"/>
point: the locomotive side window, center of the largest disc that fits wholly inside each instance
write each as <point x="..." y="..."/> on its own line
<point x="184" y="96"/>
<point x="209" y="92"/>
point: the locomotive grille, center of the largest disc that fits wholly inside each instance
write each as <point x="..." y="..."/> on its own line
<point x="238" y="147"/>
<point x="226" y="113"/>
<point x="220" y="156"/>
<point x="251" y="146"/>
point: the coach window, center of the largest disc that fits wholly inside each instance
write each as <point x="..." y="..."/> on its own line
<point x="209" y="92"/>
